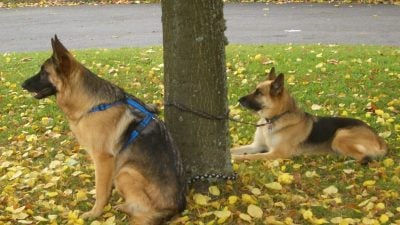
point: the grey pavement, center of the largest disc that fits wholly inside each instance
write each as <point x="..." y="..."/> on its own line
<point x="112" y="26"/>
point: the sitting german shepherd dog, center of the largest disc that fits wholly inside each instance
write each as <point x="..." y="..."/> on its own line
<point x="129" y="145"/>
<point x="287" y="131"/>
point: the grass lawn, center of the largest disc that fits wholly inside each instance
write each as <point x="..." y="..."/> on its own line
<point x="46" y="178"/>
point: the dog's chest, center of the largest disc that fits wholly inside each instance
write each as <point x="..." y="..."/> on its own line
<point x="89" y="136"/>
<point x="270" y="136"/>
<point x="101" y="131"/>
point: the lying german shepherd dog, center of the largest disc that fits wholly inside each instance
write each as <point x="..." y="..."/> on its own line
<point x="129" y="145"/>
<point x="287" y="131"/>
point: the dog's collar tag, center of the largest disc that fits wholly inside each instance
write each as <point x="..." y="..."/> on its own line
<point x="269" y="122"/>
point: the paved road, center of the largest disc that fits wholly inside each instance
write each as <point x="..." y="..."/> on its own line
<point x="30" y="29"/>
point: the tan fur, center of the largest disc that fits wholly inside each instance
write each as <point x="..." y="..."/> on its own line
<point x="286" y="136"/>
<point x="98" y="133"/>
<point x="146" y="202"/>
<point x="358" y="142"/>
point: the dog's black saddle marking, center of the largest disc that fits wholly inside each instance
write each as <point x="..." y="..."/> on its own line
<point x="324" y="128"/>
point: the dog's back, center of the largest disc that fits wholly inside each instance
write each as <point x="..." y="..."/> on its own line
<point x="324" y="128"/>
<point x="348" y="136"/>
<point x="155" y="155"/>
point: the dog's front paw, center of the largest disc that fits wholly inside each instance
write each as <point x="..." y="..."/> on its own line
<point x="239" y="151"/>
<point x="239" y="157"/>
<point x="91" y="214"/>
<point x="235" y="151"/>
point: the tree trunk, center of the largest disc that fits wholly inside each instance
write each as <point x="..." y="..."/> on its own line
<point x="195" y="77"/>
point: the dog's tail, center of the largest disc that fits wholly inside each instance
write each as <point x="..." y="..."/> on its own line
<point x="380" y="151"/>
<point x="383" y="146"/>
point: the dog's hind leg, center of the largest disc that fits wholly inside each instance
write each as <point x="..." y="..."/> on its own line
<point x="360" y="143"/>
<point x="132" y="186"/>
<point x="351" y="150"/>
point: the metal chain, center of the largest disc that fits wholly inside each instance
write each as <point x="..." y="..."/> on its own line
<point x="214" y="117"/>
<point x="207" y="176"/>
<point x="209" y="116"/>
<point x="196" y="112"/>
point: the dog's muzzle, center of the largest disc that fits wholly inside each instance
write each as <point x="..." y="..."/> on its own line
<point x="38" y="87"/>
<point x="249" y="103"/>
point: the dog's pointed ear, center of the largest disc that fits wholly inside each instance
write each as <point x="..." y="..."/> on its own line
<point x="271" y="75"/>
<point x="58" y="48"/>
<point x="61" y="57"/>
<point x="277" y="85"/>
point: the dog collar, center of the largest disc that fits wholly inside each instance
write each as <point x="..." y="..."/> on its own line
<point x="270" y="121"/>
<point x="131" y="102"/>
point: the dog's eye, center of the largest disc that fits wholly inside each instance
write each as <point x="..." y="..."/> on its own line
<point x="257" y="92"/>
<point x="43" y="74"/>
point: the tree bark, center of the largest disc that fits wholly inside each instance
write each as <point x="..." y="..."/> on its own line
<point x="195" y="76"/>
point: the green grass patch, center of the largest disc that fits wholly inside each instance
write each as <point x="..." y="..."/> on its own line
<point x="46" y="178"/>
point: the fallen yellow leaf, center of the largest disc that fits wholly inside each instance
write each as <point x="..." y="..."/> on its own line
<point x="222" y="213"/>
<point x="369" y="183"/>
<point x="201" y="199"/>
<point x="254" y="211"/>
<point x="81" y="195"/>
<point x="388" y="162"/>
<point x="245" y="217"/>
<point x="383" y="218"/>
<point x="248" y="199"/>
<point x="214" y="190"/>
<point x="256" y="191"/>
<point x="330" y="190"/>
<point x="307" y="214"/>
<point x="274" y="186"/>
<point x="285" y="178"/>
<point x="232" y="199"/>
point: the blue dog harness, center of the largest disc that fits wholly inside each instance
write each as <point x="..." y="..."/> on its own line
<point x="142" y="124"/>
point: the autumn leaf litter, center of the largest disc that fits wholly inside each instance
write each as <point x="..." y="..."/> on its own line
<point x="47" y="178"/>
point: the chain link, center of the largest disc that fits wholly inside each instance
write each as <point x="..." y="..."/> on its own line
<point x="209" y="116"/>
<point x="207" y="176"/>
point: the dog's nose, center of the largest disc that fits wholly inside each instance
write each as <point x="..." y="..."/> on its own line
<point x="23" y="85"/>
<point x="243" y="101"/>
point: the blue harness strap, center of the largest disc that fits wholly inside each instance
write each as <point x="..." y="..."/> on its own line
<point x="105" y="106"/>
<point x="143" y="124"/>
<point x="129" y="101"/>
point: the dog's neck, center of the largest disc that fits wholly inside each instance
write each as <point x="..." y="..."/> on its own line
<point x="275" y="118"/>
<point x="74" y="103"/>
<point x="289" y="107"/>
